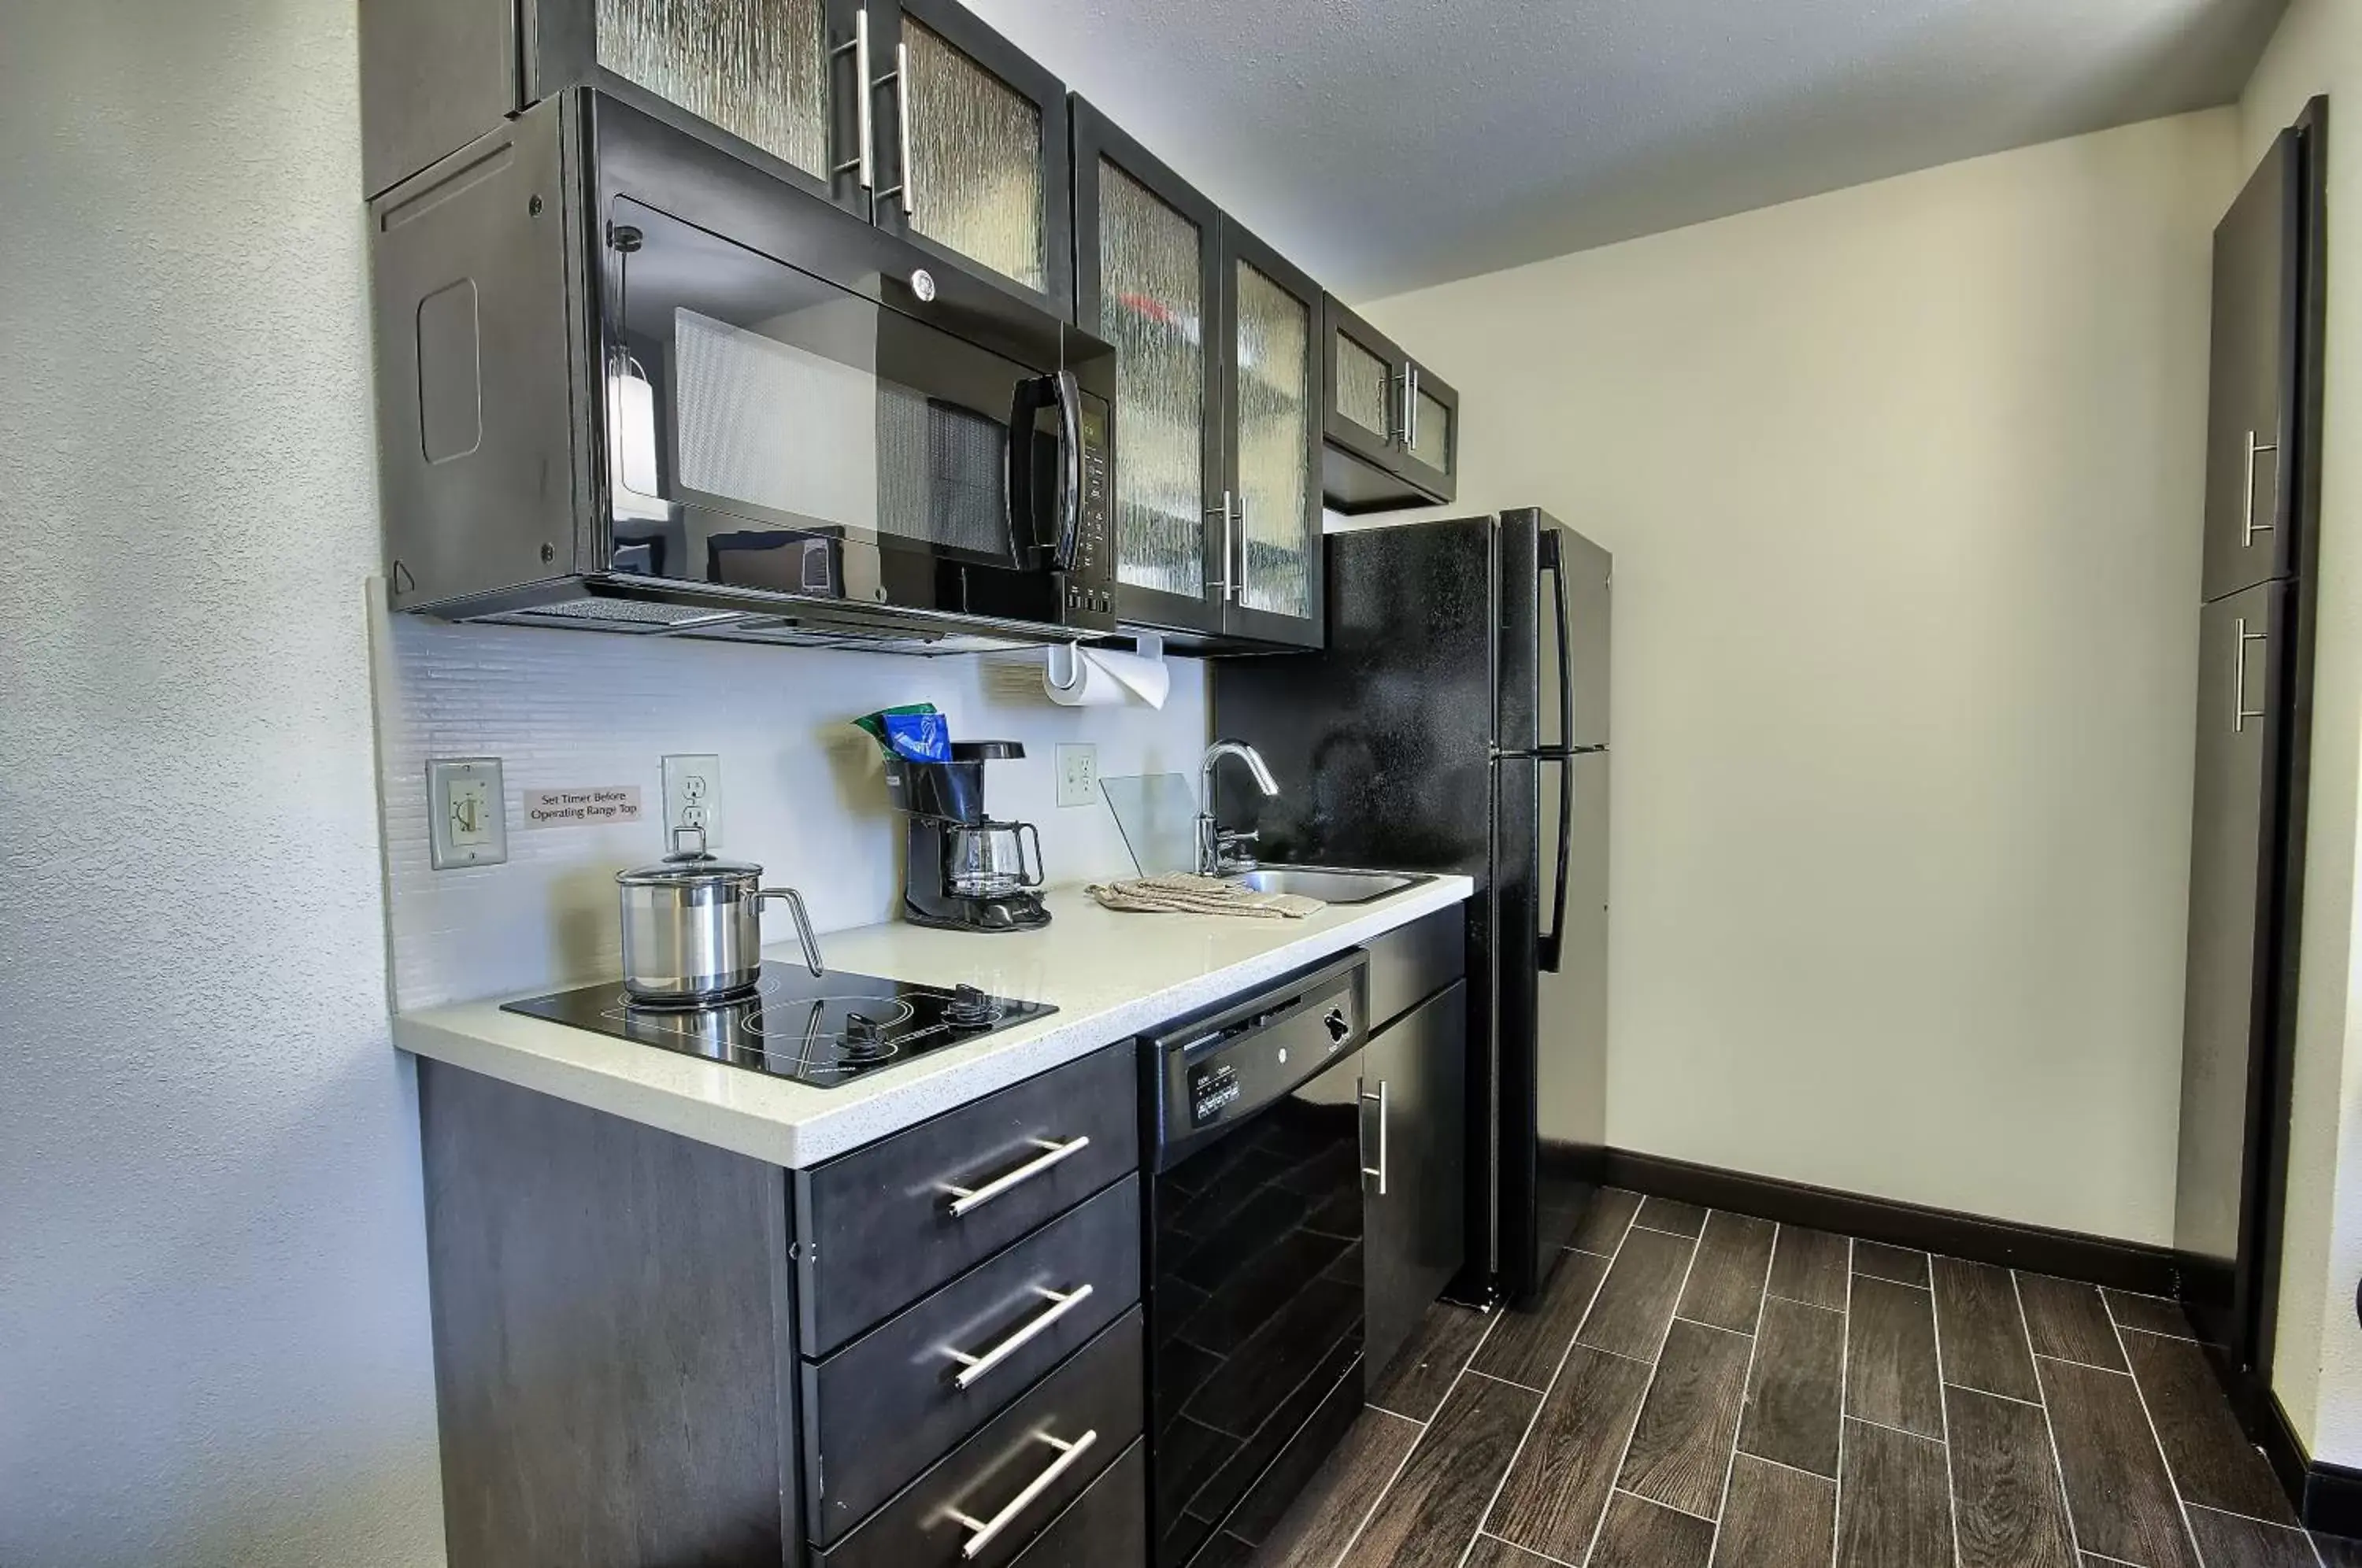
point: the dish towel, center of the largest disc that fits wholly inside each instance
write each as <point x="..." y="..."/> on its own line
<point x="1183" y="894"/>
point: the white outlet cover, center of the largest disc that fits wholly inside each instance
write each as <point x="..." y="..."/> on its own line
<point x="1078" y="775"/>
<point x="467" y="812"/>
<point x="692" y="796"/>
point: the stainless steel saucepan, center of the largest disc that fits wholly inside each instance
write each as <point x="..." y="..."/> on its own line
<point x="693" y="925"/>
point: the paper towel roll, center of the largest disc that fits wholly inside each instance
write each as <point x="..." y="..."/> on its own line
<point x="1078" y="676"/>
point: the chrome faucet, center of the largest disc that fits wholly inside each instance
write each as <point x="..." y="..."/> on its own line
<point x="1218" y="851"/>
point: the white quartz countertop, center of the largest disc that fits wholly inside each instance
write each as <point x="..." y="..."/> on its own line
<point x="1111" y="975"/>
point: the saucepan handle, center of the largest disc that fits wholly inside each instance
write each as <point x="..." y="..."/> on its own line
<point x="795" y="902"/>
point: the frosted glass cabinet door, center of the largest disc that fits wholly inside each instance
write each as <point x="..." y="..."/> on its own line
<point x="972" y="153"/>
<point x="1148" y="281"/>
<point x="1273" y="431"/>
<point x="758" y="69"/>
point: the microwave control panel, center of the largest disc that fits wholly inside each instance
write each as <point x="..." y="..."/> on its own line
<point x="1089" y="591"/>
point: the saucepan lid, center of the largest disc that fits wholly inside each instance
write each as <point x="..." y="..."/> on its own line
<point x="688" y="866"/>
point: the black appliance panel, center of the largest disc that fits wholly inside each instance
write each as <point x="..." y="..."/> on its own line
<point x="820" y="1030"/>
<point x="1257" y="1308"/>
<point x="767" y="429"/>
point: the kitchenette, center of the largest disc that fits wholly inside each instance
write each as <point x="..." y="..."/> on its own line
<point x="877" y="492"/>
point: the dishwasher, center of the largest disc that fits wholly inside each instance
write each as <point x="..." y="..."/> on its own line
<point x="1259" y="1137"/>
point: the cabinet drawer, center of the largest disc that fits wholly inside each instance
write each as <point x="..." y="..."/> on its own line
<point x="1107" y="1527"/>
<point x="1094" y="1400"/>
<point x="876" y="1229"/>
<point x="888" y="1404"/>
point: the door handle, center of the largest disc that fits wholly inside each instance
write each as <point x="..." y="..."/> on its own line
<point x="2249" y="526"/>
<point x="900" y="76"/>
<point x="1410" y="408"/>
<point x="1069" y="1455"/>
<point x="863" y="163"/>
<point x="2240" y="712"/>
<point x="965" y="1200"/>
<point x="974" y="1366"/>
<point x="1227" y="586"/>
<point x="1379" y="1100"/>
<point x="1398" y="416"/>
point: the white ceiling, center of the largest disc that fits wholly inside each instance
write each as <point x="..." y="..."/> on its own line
<point x="1387" y="144"/>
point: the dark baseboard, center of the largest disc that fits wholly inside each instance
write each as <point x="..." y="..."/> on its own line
<point x="2101" y="1260"/>
<point x="2327" y="1497"/>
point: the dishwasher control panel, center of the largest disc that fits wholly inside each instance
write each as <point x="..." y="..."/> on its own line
<point x="1225" y="1065"/>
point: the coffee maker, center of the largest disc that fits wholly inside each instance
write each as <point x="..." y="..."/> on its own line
<point x="967" y="872"/>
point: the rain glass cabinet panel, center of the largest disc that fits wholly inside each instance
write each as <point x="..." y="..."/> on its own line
<point x="1392" y="428"/>
<point x="915" y="115"/>
<point x="1218" y="391"/>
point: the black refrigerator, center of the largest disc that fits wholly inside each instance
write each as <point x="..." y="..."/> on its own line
<point x="1457" y="721"/>
<point x="2254" y="676"/>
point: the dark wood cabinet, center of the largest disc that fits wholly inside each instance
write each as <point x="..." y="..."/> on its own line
<point x="1392" y="426"/>
<point x="624" y="1375"/>
<point x="1415" y="1088"/>
<point x="912" y="114"/>
<point x="1219" y="384"/>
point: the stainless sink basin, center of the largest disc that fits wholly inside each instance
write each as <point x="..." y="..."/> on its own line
<point x="1329" y="886"/>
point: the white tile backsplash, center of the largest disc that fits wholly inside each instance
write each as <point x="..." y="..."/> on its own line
<point x="803" y="792"/>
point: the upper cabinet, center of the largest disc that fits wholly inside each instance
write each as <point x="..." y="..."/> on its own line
<point x="1392" y="428"/>
<point x="971" y="151"/>
<point x="914" y="115"/>
<point x="1218" y="391"/>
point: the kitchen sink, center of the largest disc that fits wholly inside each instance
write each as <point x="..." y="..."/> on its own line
<point x="1329" y="886"/>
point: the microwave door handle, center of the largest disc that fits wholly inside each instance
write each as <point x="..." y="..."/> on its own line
<point x="1070" y="468"/>
<point x="1032" y="396"/>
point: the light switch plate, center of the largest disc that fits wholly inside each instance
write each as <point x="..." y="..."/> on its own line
<point x="467" y="812"/>
<point x="692" y="796"/>
<point x="1078" y="775"/>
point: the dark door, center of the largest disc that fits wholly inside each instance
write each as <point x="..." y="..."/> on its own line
<point x="1429" y="456"/>
<point x="2250" y="510"/>
<point x="1363" y="412"/>
<point x="1271" y="438"/>
<point x="2226" y="1139"/>
<point x="1415" y="1138"/>
<point x="1148" y="279"/>
<point x="970" y="148"/>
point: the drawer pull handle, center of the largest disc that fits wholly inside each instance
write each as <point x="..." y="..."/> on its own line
<point x="965" y="1199"/>
<point x="1069" y="1455"/>
<point x="975" y="1366"/>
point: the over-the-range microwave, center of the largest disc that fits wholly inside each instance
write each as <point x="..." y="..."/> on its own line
<point x="629" y="382"/>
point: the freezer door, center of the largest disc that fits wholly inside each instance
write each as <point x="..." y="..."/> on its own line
<point x="1554" y="635"/>
<point x="2226" y="1136"/>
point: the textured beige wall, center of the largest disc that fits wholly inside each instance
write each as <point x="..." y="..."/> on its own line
<point x="2317" y="1371"/>
<point x="1905" y="488"/>
<point x="212" y="1313"/>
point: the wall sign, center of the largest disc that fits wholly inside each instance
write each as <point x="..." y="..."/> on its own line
<point x="593" y="807"/>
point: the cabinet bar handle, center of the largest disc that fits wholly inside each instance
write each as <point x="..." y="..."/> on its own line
<point x="2240" y="712"/>
<point x="1379" y="1099"/>
<point x="1069" y="1455"/>
<point x="901" y="77"/>
<point x="1410" y="408"/>
<point x="2255" y="449"/>
<point x="1398" y="416"/>
<point x="973" y="1367"/>
<point x="862" y="163"/>
<point x="964" y="1200"/>
<point x="1229" y="584"/>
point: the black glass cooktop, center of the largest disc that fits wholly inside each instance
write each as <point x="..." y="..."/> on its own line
<point x="816" y="1029"/>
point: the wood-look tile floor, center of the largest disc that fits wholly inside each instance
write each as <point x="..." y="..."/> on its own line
<point x="1705" y="1389"/>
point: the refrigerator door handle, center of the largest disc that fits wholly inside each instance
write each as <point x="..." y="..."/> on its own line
<point x="1553" y="561"/>
<point x="1552" y="943"/>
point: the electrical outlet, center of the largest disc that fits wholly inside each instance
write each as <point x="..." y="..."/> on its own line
<point x="692" y="797"/>
<point x="467" y="812"/>
<point x="1078" y="776"/>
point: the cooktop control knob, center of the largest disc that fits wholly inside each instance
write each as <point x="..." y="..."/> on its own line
<point x="967" y="1006"/>
<point x="1339" y="1026"/>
